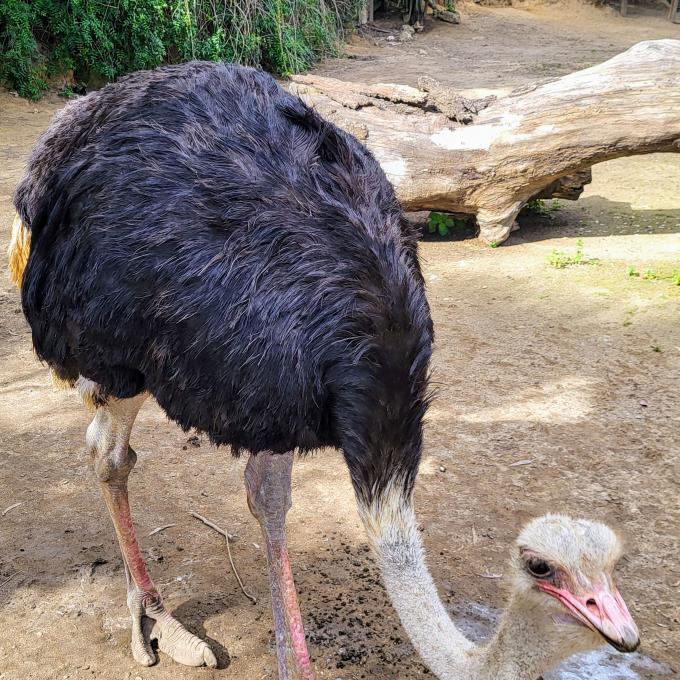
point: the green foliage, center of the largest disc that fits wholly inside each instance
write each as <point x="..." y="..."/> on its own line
<point x="540" y="207"/>
<point x="66" y="92"/>
<point x="561" y="260"/>
<point x="650" y="275"/>
<point x="443" y="224"/>
<point x="21" y="63"/>
<point x="100" y="40"/>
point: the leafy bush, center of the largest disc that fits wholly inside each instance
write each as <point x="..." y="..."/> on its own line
<point x="21" y="63"/>
<point x="536" y="205"/>
<point x="443" y="224"/>
<point x="99" y="40"/>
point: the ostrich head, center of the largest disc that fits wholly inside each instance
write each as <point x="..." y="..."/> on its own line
<point x="564" y="568"/>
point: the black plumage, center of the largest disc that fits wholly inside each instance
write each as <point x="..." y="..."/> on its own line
<point x="199" y="233"/>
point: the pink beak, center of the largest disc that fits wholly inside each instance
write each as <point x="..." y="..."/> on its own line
<point x="602" y="610"/>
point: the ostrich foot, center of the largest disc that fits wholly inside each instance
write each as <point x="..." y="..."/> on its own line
<point x="151" y="621"/>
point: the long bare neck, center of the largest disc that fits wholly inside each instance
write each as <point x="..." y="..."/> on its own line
<point x="393" y="533"/>
<point x="527" y="643"/>
<point x="521" y="648"/>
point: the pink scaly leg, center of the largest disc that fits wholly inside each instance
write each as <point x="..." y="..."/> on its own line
<point x="268" y="486"/>
<point x="108" y="439"/>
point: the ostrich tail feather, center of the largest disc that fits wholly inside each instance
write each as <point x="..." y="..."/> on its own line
<point x="18" y="251"/>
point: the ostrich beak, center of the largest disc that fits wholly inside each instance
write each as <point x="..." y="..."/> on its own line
<point x="603" y="611"/>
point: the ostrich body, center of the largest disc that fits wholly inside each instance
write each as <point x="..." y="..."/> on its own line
<point x="198" y="234"/>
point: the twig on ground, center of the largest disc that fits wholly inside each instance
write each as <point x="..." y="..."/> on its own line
<point x="227" y="537"/>
<point x="8" y="579"/>
<point x="214" y="526"/>
<point x="157" y="530"/>
<point x="11" y="507"/>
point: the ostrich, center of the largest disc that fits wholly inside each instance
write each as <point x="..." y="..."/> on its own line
<point x="197" y="234"/>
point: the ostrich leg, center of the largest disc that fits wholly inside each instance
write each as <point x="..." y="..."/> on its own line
<point x="268" y="486"/>
<point x="108" y="439"/>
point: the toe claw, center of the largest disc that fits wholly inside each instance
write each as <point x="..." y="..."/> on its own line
<point x="209" y="658"/>
<point x="142" y="656"/>
<point x="141" y="648"/>
<point x="145" y="660"/>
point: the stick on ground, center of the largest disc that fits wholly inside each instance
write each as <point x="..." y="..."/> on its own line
<point x="8" y="579"/>
<point x="157" y="530"/>
<point x="221" y="531"/>
<point x="11" y="507"/>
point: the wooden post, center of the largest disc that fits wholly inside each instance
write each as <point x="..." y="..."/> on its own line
<point x="363" y="13"/>
<point x="624" y="8"/>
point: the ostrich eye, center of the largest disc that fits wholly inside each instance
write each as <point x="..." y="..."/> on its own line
<point x="539" y="568"/>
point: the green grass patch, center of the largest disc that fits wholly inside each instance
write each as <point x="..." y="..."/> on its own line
<point x="561" y="260"/>
<point x="671" y="276"/>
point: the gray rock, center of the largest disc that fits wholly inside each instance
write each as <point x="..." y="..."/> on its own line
<point x="449" y="16"/>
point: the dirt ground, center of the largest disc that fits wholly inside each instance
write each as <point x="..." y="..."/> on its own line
<point x="575" y="370"/>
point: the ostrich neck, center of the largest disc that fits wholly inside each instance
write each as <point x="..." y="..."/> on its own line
<point x="520" y="649"/>
<point x="443" y="648"/>
<point x="526" y="644"/>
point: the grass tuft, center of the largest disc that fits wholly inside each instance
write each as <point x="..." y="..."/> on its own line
<point x="561" y="260"/>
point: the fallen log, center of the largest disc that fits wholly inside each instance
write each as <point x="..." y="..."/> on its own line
<point x="489" y="156"/>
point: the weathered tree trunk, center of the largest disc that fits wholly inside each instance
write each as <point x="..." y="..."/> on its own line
<point x="488" y="157"/>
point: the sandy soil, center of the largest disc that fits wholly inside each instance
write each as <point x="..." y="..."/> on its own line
<point x="575" y="370"/>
